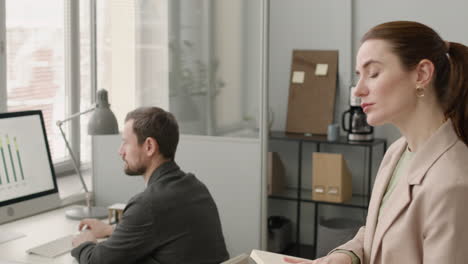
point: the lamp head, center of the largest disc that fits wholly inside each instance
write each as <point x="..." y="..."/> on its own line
<point x="102" y="99"/>
<point x="102" y="120"/>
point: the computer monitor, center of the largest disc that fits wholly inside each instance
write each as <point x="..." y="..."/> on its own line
<point x="27" y="178"/>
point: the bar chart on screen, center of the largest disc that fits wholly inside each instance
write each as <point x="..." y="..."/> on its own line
<point x="12" y="175"/>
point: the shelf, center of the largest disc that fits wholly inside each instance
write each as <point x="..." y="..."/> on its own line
<point x="299" y="196"/>
<point x="291" y="194"/>
<point x="281" y="135"/>
<point x="357" y="200"/>
<point x="286" y="194"/>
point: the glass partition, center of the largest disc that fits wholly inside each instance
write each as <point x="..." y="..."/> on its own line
<point x="199" y="59"/>
<point x="214" y="62"/>
<point x="214" y="66"/>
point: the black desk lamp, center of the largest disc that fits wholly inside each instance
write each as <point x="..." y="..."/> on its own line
<point x="102" y="122"/>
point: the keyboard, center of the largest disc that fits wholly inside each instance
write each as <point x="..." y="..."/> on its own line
<point x="53" y="248"/>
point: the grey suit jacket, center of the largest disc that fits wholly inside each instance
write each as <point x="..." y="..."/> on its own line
<point x="174" y="220"/>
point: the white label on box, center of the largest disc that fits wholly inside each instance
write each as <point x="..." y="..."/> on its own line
<point x="333" y="190"/>
<point x="319" y="189"/>
<point x="321" y="69"/>
<point x="298" y="77"/>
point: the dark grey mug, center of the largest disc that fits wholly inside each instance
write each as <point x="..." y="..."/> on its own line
<point x="333" y="133"/>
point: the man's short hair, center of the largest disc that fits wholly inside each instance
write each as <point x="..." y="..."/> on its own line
<point x="156" y="123"/>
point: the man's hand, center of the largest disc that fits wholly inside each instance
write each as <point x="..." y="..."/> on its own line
<point x="334" y="258"/>
<point x="97" y="228"/>
<point x="84" y="236"/>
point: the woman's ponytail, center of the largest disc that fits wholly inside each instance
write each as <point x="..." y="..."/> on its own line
<point x="456" y="105"/>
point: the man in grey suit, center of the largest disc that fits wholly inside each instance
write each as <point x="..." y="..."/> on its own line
<point x="174" y="220"/>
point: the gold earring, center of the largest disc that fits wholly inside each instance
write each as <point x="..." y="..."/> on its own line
<point x="419" y="91"/>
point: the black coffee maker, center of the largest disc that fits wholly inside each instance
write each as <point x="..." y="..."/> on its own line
<point x="357" y="128"/>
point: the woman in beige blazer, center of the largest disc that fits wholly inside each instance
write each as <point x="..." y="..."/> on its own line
<point x="411" y="78"/>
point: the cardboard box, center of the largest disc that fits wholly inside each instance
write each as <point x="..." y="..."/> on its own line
<point x="275" y="172"/>
<point x="331" y="179"/>
<point x="260" y="257"/>
<point x="312" y="91"/>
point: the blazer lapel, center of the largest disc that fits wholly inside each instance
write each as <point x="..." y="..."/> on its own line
<point x="380" y="185"/>
<point x="442" y="140"/>
<point x="424" y="158"/>
<point x="400" y="199"/>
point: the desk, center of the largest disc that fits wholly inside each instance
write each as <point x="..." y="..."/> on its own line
<point x="38" y="229"/>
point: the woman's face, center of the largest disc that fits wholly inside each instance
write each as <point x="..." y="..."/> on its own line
<point x="386" y="89"/>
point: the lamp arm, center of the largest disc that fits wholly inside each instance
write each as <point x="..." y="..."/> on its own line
<point x="60" y="122"/>
<point x="74" y="162"/>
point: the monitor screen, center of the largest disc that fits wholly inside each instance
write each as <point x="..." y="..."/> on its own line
<point x="27" y="178"/>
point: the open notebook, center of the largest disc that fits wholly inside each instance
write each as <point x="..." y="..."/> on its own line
<point x="258" y="257"/>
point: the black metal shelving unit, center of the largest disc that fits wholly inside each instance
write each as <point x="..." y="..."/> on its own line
<point x="300" y="195"/>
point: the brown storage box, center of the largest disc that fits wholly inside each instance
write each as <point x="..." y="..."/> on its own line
<point x="311" y="94"/>
<point x="331" y="179"/>
<point x="275" y="172"/>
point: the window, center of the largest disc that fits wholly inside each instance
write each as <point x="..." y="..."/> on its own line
<point x="38" y="58"/>
<point x="35" y="62"/>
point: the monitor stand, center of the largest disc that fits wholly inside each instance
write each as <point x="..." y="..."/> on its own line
<point x="6" y="236"/>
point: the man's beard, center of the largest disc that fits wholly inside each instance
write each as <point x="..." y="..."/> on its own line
<point x="140" y="170"/>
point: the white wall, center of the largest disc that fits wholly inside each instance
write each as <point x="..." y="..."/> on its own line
<point x="230" y="168"/>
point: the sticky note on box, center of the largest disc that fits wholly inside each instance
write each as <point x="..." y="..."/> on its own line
<point x="298" y="77"/>
<point x="321" y="69"/>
